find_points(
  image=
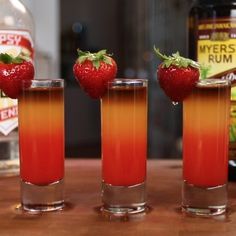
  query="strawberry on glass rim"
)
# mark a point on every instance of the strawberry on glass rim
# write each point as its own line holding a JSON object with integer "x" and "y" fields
{"x": 93, "y": 71}
{"x": 13, "y": 70}
{"x": 177, "y": 75}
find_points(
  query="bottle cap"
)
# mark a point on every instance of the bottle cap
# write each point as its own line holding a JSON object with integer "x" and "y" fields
{"x": 216, "y": 2}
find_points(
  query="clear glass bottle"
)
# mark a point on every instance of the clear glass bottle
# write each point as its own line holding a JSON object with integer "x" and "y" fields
{"x": 212, "y": 41}
{"x": 16, "y": 35}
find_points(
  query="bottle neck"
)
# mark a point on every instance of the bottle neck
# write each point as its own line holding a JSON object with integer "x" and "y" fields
{"x": 17, "y": 4}
{"x": 15, "y": 16}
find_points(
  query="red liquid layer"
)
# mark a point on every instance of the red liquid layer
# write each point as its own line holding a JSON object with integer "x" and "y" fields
{"x": 124, "y": 136}
{"x": 41, "y": 135}
{"x": 205, "y": 137}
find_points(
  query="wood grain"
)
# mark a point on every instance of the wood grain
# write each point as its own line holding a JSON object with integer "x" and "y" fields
{"x": 83, "y": 197}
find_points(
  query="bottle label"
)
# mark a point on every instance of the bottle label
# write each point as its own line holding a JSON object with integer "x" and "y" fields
{"x": 216, "y": 47}
{"x": 12, "y": 42}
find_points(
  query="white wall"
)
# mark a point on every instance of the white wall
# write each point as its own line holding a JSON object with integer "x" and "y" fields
{"x": 47, "y": 32}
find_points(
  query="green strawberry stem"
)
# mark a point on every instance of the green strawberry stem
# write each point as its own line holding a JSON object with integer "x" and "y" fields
{"x": 204, "y": 71}
{"x": 95, "y": 58}
{"x": 9, "y": 59}
{"x": 179, "y": 61}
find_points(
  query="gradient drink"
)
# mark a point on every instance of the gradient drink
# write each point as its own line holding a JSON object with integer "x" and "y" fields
{"x": 205, "y": 139}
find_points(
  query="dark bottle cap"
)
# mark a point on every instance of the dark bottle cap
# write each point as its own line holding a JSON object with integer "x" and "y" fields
{"x": 232, "y": 170}
{"x": 216, "y": 2}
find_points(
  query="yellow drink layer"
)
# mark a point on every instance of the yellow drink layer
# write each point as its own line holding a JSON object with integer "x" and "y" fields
{"x": 41, "y": 132}
{"x": 205, "y": 133}
{"x": 124, "y": 134}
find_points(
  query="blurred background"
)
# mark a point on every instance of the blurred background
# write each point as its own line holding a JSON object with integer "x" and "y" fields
{"x": 128, "y": 29}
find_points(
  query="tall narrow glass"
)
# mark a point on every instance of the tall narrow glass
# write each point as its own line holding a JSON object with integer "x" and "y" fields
{"x": 41, "y": 139}
{"x": 124, "y": 146}
{"x": 205, "y": 148}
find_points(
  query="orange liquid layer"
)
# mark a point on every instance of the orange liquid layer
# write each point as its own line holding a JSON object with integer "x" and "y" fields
{"x": 205, "y": 137}
{"x": 124, "y": 136}
{"x": 41, "y": 135}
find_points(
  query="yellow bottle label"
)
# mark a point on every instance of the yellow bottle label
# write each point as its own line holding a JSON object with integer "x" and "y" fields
{"x": 220, "y": 55}
{"x": 216, "y": 47}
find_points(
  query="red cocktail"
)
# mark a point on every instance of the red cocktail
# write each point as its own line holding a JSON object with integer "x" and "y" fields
{"x": 41, "y": 117}
{"x": 124, "y": 138}
{"x": 205, "y": 141}
{"x": 41, "y": 133}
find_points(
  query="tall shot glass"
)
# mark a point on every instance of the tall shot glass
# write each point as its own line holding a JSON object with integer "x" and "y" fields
{"x": 124, "y": 146}
{"x": 41, "y": 139}
{"x": 205, "y": 148}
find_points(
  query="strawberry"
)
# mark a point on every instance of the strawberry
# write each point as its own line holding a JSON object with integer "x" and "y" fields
{"x": 177, "y": 75}
{"x": 93, "y": 71}
{"x": 12, "y": 71}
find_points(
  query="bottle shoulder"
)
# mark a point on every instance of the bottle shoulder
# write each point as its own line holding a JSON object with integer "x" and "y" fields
{"x": 209, "y": 11}
{"x": 14, "y": 15}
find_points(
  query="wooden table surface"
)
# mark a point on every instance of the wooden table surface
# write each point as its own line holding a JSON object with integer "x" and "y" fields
{"x": 81, "y": 216}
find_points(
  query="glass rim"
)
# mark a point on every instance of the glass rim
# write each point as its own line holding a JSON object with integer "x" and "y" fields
{"x": 212, "y": 82}
{"x": 127, "y": 82}
{"x": 43, "y": 83}
{"x": 46, "y": 79}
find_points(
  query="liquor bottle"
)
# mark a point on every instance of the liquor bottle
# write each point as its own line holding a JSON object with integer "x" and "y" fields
{"x": 16, "y": 35}
{"x": 212, "y": 41}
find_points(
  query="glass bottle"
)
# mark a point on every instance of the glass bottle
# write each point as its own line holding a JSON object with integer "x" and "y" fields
{"x": 16, "y": 35}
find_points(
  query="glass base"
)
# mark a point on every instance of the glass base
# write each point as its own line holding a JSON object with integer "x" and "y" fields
{"x": 123, "y": 200}
{"x": 42, "y": 197}
{"x": 204, "y": 201}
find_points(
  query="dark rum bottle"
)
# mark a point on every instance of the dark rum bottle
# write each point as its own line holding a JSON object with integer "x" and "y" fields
{"x": 212, "y": 41}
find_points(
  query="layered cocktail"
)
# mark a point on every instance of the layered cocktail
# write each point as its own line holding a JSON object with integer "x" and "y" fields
{"x": 41, "y": 137}
{"x": 205, "y": 147}
{"x": 124, "y": 146}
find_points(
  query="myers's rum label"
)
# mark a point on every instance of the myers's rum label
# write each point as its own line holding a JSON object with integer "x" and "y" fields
{"x": 216, "y": 45}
